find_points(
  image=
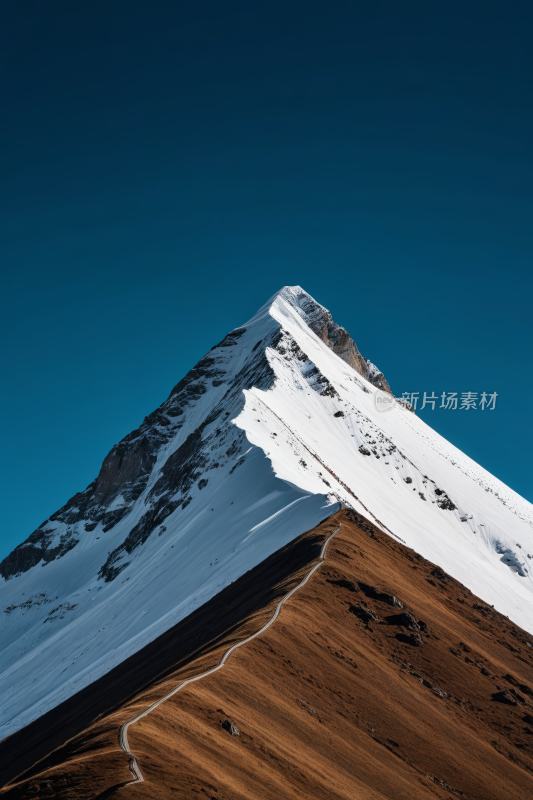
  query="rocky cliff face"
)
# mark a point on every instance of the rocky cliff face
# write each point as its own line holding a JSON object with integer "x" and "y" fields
{"x": 339, "y": 340}
{"x": 126, "y": 470}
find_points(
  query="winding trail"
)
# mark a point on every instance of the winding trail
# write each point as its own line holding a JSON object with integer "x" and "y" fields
{"x": 123, "y": 732}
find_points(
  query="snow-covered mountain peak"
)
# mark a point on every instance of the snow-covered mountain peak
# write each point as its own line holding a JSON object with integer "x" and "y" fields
{"x": 265, "y": 437}
{"x": 320, "y": 321}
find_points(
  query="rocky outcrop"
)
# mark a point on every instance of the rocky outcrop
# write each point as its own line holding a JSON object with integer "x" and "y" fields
{"x": 43, "y": 546}
{"x": 376, "y": 594}
{"x": 127, "y": 468}
{"x": 194, "y": 456}
{"x": 230, "y": 727}
{"x": 339, "y": 340}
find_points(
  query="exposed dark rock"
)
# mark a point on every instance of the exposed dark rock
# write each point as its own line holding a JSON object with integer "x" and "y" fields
{"x": 90, "y": 526}
{"x": 309, "y": 708}
{"x": 510, "y": 698}
{"x": 233, "y": 449}
{"x": 230, "y": 727}
{"x": 414, "y": 639}
{"x": 127, "y": 467}
{"x": 440, "y": 574}
{"x": 428, "y": 684}
{"x": 364, "y": 451}
{"x": 239, "y": 463}
{"x": 38, "y": 547}
{"x": 364, "y": 613}
{"x": 361, "y": 522}
{"x": 350, "y": 585}
{"x": 443, "y": 501}
{"x": 485, "y": 611}
{"x": 36, "y": 600}
{"x": 528, "y": 718}
{"x": 110, "y": 519}
{"x": 522, "y": 686}
{"x": 339, "y": 340}
{"x": 383, "y": 597}
{"x": 445, "y": 785}
{"x": 138, "y": 535}
{"x": 327, "y": 389}
{"x": 339, "y": 414}
{"x": 404, "y": 620}
{"x": 231, "y": 338}
{"x": 174, "y": 411}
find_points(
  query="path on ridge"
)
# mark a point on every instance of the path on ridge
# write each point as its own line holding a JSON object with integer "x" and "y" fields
{"x": 123, "y": 732}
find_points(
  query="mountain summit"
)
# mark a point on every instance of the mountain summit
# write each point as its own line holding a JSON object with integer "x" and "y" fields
{"x": 321, "y": 322}
{"x": 269, "y": 434}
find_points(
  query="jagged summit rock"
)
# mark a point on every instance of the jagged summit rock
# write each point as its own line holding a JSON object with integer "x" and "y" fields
{"x": 321, "y": 322}
{"x": 272, "y": 431}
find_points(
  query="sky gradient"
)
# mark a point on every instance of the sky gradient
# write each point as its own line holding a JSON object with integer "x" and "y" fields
{"x": 166, "y": 168}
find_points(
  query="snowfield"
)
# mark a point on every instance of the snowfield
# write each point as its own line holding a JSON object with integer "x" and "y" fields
{"x": 270, "y": 434}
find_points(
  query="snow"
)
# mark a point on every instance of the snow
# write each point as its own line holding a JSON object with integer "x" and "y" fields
{"x": 285, "y": 463}
{"x": 501, "y": 519}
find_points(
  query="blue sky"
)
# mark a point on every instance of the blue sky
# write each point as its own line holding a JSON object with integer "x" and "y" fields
{"x": 165, "y": 169}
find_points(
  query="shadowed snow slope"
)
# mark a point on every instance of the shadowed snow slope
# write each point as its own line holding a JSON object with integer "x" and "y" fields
{"x": 262, "y": 440}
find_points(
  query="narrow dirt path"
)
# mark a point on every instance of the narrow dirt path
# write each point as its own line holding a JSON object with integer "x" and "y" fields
{"x": 123, "y": 732}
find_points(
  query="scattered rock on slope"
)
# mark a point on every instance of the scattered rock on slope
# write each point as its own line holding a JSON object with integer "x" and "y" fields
{"x": 364, "y": 613}
{"x": 383, "y": 597}
{"x": 510, "y": 698}
{"x": 413, "y": 639}
{"x": 230, "y": 727}
{"x": 405, "y": 620}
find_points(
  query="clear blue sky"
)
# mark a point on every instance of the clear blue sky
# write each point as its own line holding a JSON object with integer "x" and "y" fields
{"x": 166, "y": 167}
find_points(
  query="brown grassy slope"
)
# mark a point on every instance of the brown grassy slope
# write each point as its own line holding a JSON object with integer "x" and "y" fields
{"x": 41, "y": 744}
{"x": 330, "y": 706}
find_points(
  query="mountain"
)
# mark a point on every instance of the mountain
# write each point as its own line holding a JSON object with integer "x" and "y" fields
{"x": 272, "y": 432}
{"x": 382, "y": 678}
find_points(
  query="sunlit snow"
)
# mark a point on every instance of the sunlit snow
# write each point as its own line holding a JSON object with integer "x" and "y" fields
{"x": 285, "y": 458}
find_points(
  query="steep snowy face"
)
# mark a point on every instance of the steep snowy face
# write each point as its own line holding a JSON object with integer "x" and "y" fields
{"x": 170, "y": 443}
{"x": 390, "y": 466}
{"x": 263, "y": 439}
{"x": 181, "y": 507}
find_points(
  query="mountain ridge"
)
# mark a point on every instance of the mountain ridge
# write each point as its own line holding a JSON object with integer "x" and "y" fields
{"x": 133, "y": 464}
{"x": 270, "y": 433}
{"x": 382, "y": 678}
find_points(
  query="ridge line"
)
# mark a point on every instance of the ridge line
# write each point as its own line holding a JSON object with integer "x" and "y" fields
{"x": 123, "y": 731}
